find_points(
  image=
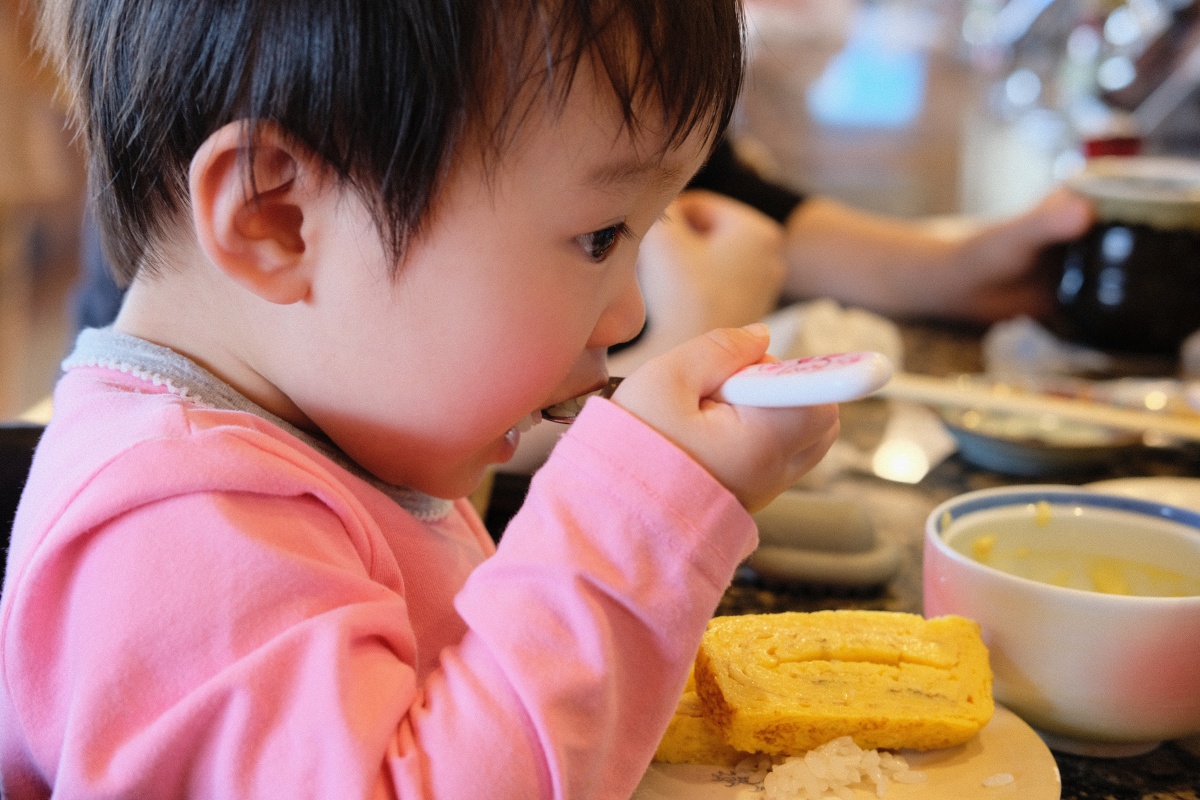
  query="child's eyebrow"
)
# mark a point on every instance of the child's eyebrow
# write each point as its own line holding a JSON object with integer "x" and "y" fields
{"x": 617, "y": 174}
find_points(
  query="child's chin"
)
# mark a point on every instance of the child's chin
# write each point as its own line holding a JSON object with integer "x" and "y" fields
{"x": 463, "y": 483}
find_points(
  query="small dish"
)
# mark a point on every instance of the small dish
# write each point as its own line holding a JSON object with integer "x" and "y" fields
{"x": 1028, "y": 446}
{"x": 1034, "y": 445}
{"x": 810, "y": 538}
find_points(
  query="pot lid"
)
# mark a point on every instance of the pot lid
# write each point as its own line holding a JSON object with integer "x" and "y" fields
{"x": 1160, "y": 191}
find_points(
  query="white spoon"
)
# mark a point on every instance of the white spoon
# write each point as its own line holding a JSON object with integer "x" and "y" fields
{"x": 809, "y": 381}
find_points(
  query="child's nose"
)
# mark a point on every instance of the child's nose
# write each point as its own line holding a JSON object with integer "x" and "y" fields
{"x": 622, "y": 320}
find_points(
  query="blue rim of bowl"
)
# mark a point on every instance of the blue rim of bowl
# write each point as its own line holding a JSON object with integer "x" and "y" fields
{"x": 1000, "y": 497}
{"x": 985, "y": 499}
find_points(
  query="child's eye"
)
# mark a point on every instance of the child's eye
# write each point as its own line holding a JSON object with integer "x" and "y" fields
{"x": 598, "y": 244}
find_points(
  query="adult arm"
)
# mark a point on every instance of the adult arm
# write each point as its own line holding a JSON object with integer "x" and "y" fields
{"x": 906, "y": 268}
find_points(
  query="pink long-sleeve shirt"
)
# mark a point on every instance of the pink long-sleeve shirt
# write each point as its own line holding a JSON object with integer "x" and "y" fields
{"x": 199, "y": 603}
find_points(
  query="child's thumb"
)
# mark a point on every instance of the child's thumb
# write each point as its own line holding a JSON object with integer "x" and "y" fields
{"x": 716, "y": 355}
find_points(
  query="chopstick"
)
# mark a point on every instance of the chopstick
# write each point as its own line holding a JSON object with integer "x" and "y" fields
{"x": 950, "y": 392}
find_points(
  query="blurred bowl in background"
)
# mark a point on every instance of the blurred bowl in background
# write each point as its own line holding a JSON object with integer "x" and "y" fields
{"x": 1028, "y": 446}
{"x": 1131, "y": 282}
{"x": 1089, "y": 604}
{"x": 1034, "y": 445}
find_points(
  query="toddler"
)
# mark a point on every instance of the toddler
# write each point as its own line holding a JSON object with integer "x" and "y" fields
{"x": 366, "y": 242}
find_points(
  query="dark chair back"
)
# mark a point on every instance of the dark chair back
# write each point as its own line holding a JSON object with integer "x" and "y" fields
{"x": 17, "y": 443}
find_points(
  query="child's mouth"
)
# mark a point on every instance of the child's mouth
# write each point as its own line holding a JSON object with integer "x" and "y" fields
{"x": 513, "y": 434}
{"x": 566, "y": 411}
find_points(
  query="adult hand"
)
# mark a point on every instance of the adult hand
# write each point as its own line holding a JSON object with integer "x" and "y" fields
{"x": 711, "y": 262}
{"x": 756, "y": 453}
{"x": 998, "y": 268}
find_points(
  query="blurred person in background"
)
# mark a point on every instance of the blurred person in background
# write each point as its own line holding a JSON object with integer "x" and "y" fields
{"x": 735, "y": 245}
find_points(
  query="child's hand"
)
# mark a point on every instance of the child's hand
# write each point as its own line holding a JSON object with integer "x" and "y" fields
{"x": 754, "y": 452}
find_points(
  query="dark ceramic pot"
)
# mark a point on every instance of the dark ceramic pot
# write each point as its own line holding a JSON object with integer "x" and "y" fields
{"x": 1132, "y": 282}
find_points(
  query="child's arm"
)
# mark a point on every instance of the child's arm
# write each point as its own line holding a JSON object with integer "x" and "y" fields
{"x": 609, "y": 574}
{"x": 227, "y": 621}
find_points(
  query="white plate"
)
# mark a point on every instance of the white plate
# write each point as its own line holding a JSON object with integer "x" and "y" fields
{"x": 1005, "y": 745}
{"x": 1182, "y": 492}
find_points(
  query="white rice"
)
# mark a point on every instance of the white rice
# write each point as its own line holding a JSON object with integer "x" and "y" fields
{"x": 832, "y": 770}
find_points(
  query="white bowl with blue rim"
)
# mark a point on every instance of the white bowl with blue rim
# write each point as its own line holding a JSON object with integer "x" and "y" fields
{"x": 1089, "y": 604}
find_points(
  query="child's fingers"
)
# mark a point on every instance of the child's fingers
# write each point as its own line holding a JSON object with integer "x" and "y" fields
{"x": 704, "y": 363}
{"x": 754, "y": 452}
{"x": 766, "y": 449}
{"x": 667, "y": 389}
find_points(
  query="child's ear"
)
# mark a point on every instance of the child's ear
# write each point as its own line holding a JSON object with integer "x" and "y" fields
{"x": 252, "y": 228}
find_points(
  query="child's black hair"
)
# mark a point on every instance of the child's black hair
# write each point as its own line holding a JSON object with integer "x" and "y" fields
{"x": 385, "y": 91}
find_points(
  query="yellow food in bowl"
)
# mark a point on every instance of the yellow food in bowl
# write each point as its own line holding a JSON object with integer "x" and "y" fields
{"x": 1060, "y": 548}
